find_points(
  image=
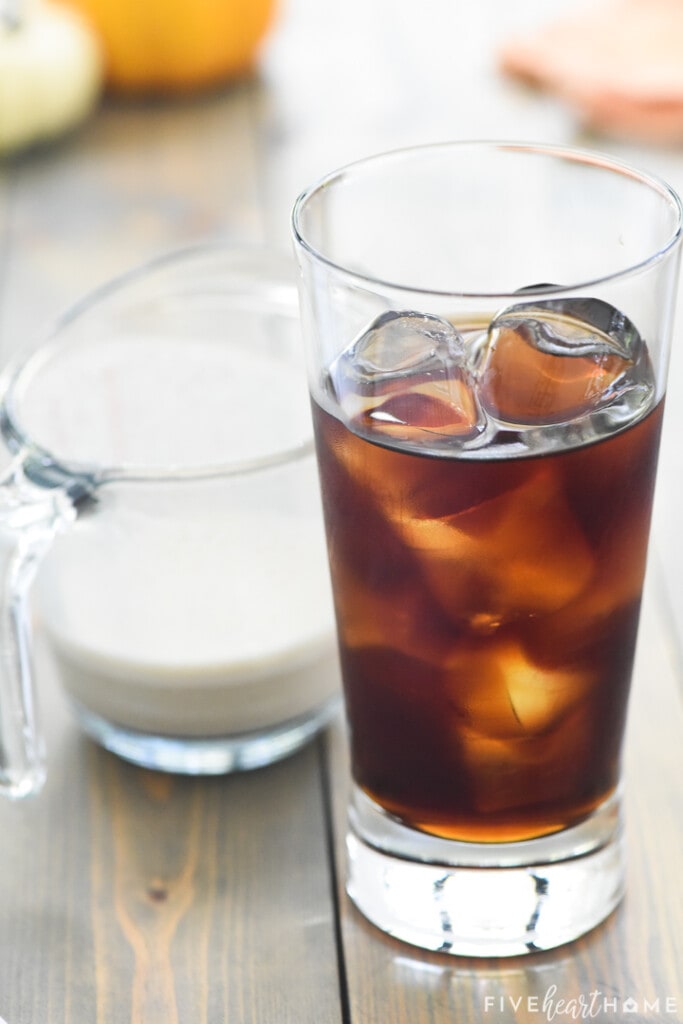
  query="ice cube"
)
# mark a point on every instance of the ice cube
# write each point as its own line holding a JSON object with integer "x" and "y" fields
{"x": 405, "y": 378}
{"x": 540, "y": 696}
{"x": 370, "y": 618}
{"x": 553, "y": 361}
{"x": 499, "y": 692}
{"x": 494, "y": 563}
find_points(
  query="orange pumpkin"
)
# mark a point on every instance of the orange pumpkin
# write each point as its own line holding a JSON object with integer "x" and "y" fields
{"x": 159, "y": 46}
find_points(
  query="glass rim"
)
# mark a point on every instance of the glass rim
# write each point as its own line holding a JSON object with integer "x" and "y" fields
{"x": 22, "y": 444}
{"x": 568, "y": 154}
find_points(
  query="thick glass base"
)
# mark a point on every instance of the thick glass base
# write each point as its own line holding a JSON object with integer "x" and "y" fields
{"x": 473, "y": 899}
{"x": 213, "y": 755}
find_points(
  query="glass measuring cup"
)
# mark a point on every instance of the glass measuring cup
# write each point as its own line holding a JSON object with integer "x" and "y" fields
{"x": 162, "y": 478}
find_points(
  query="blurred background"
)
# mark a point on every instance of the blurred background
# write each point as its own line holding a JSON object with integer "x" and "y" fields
{"x": 154, "y": 164}
{"x": 142, "y": 127}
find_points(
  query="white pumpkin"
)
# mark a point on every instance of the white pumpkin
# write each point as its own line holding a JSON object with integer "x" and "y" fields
{"x": 51, "y": 71}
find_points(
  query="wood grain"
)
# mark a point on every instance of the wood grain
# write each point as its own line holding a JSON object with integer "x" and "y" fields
{"x": 132, "y": 896}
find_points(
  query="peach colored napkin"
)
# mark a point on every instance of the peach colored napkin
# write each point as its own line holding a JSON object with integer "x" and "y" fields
{"x": 619, "y": 65}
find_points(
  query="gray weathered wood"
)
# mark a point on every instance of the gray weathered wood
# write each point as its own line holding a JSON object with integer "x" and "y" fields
{"x": 134, "y": 896}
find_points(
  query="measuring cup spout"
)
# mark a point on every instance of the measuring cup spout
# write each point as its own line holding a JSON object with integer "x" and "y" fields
{"x": 31, "y": 514}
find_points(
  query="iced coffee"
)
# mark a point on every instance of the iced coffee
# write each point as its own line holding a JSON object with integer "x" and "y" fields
{"x": 487, "y": 491}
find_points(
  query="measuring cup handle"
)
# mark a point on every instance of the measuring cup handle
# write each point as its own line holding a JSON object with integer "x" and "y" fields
{"x": 30, "y": 517}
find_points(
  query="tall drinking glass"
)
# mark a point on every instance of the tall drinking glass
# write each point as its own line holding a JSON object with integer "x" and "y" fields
{"x": 488, "y": 328}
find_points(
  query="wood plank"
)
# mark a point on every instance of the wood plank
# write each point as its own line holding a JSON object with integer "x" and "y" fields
{"x": 635, "y": 955}
{"x": 138, "y": 897}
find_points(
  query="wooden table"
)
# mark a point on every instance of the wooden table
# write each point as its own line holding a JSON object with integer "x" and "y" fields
{"x": 128, "y": 897}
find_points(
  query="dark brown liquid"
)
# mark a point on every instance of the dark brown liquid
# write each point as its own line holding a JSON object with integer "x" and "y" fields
{"x": 487, "y": 614}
